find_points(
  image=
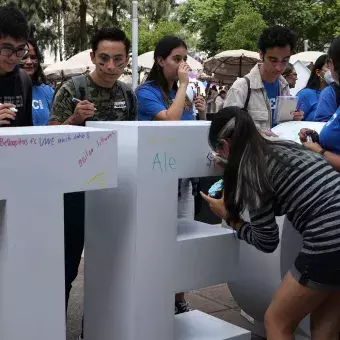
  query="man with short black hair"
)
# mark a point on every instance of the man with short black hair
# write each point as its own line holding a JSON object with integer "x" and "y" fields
{"x": 257, "y": 91}
{"x": 97, "y": 96}
{"x": 15, "y": 85}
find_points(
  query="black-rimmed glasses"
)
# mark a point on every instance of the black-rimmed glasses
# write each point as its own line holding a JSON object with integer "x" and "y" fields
{"x": 8, "y": 51}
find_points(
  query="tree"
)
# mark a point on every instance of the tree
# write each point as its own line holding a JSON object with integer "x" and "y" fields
{"x": 243, "y": 31}
{"x": 150, "y": 34}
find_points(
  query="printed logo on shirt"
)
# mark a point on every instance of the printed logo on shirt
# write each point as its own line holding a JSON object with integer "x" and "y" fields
{"x": 15, "y": 100}
{"x": 332, "y": 119}
{"x": 120, "y": 105}
{"x": 272, "y": 103}
{"x": 37, "y": 104}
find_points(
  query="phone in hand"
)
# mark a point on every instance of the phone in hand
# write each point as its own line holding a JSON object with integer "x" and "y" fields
{"x": 216, "y": 190}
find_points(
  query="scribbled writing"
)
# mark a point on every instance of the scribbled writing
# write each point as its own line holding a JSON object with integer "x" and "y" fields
{"x": 13, "y": 142}
{"x": 211, "y": 160}
{"x": 103, "y": 140}
{"x": 86, "y": 155}
{"x": 42, "y": 141}
{"x": 97, "y": 178}
{"x": 163, "y": 162}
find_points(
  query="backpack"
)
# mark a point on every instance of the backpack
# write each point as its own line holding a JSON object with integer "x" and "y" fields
{"x": 248, "y": 93}
{"x": 81, "y": 89}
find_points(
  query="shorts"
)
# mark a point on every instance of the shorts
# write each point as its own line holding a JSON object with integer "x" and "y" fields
{"x": 320, "y": 272}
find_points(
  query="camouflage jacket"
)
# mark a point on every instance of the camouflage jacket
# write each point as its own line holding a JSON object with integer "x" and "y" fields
{"x": 109, "y": 102}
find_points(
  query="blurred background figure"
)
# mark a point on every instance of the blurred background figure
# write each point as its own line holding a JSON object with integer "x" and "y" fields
{"x": 220, "y": 100}
{"x": 42, "y": 93}
{"x": 308, "y": 97}
{"x": 290, "y": 75}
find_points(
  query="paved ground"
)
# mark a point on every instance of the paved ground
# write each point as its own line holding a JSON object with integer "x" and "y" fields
{"x": 216, "y": 301}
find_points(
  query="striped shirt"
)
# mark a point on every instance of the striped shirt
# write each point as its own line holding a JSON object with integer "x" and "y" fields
{"x": 306, "y": 189}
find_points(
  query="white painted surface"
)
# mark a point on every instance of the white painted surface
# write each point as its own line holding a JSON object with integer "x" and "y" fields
{"x": 39, "y": 165}
{"x": 196, "y": 325}
{"x": 290, "y": 130}
{"x": 133, "y": 259}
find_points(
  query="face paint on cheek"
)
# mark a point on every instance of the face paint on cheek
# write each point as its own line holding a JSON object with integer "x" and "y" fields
{"x": 121, "y": 66}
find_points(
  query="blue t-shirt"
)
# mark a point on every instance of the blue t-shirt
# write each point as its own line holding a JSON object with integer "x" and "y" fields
{"x": 307, "y": 102}
{"x": 330, "y": 134}
{"x": 273, "y": 90}
{"x": 42, "y": 97}
{"x": 151, "y": 102}
{"x": 326, "y": 105}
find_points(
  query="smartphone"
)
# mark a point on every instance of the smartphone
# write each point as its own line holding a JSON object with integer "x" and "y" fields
{"x": 216, "y": 189}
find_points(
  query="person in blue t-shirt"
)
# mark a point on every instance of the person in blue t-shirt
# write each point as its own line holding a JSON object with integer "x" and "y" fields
{"x": 42, "y": 94}
{"x": 328, "y": 142}
{"x": 308, "y": 97}
{"x": 160, "y": 98}
{"x": 272, "y": 90}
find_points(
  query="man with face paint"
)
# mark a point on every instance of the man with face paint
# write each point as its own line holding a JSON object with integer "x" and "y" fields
{"x": 107, "y": 99}
{"x": 276, "y": 44}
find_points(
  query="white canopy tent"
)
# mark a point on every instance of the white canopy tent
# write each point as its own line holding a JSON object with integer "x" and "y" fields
{"x": 306, "y": 57}
{"x": 146, "y": 61}
{"x": 78, "y": 64}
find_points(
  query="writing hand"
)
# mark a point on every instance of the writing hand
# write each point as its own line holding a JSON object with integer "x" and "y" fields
{"x": 6, "y": 114}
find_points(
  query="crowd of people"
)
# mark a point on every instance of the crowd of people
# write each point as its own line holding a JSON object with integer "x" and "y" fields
{"x": 263, "y": 174}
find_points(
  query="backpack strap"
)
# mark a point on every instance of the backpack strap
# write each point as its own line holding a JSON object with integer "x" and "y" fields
{"x": 128, "y": 97}
{"x": 248, "y": 93}
{"x": 336, "y": 88}
{"x": 80, "y": 86}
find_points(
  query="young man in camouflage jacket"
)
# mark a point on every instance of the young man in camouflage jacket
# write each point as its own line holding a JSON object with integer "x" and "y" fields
{"x": 97, "y": 96}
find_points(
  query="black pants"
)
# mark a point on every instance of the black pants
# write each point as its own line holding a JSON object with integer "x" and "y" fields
{"x": 74, "y": 229}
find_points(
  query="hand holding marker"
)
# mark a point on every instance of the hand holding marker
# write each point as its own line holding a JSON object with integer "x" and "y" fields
{"x": 76, "y": 101}
{"x": 12, "y": 109}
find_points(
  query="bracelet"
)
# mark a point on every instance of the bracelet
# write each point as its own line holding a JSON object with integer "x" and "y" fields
{"x": 322, "y": 152}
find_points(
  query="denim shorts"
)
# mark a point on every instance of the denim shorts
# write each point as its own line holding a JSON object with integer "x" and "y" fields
{"x": 320, "y": 271}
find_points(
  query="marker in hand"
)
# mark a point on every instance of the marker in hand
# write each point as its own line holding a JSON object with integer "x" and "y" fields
{"x": 13, "y": 109}
{"x": 76, "y": 101}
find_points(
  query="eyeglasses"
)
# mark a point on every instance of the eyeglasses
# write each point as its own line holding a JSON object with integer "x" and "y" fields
{"x": 293, "y": 75}
{"x": 7, "y": 51}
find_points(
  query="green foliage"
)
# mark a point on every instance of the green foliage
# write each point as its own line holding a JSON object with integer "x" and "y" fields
{"x": 243, "y": 31}
{"x": 149, "y": 34}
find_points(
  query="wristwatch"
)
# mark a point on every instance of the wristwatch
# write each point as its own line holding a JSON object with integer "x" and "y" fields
{"x": 322, "y": 152}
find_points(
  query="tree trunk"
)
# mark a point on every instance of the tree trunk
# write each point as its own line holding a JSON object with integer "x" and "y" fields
{"x": 83, "y": 33}
{"x": 60, "y": 37}
{"x": 114, "y": 12}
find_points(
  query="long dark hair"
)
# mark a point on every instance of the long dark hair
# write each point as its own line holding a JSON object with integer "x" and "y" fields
{"x": 246, "y": 179}
{"x": 163, "y": 49}
{"x": 38, "y": 77}
{"x": 314, "y": 81}
{"x": 334, "y": 55}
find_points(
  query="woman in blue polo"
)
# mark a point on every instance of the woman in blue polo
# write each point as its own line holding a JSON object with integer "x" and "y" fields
{"x": 161, "y": 98}
{"x": 329, "y": 139}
